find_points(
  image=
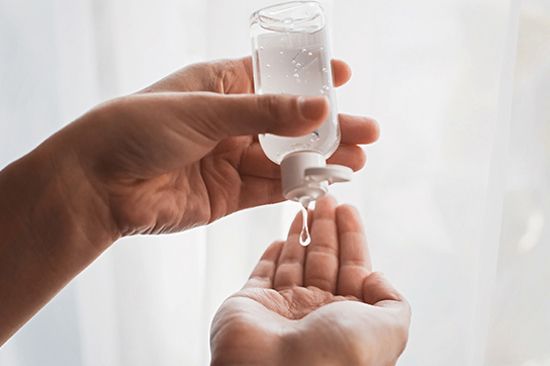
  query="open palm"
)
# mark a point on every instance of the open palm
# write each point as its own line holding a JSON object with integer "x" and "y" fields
{"x": 319, "y": 305}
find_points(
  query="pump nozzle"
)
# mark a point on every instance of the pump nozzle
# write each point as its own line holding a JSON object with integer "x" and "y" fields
{"x": 331, "y": 173}
{"x": 305, "y": 175}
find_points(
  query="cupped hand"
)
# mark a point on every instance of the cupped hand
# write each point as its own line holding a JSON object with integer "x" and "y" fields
{"x": 184, "y": 151}
{"x": 320, "y": 305}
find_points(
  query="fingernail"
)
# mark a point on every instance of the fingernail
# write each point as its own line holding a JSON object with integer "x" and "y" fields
{"x": 312, "y": 107}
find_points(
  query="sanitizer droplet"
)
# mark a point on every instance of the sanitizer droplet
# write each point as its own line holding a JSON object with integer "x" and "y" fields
{"x": 268, "y": 65}
{"x": 261, "y": 48}
{"x": 298, "y": 64}
{"x": 304, "y": 50}
{"x": 281, "y": 52}
{"x": 293, "y": 62}
{"x": 305, "y": 238}
{"x": 325, "y": 69}
{"x": 296, "y": 76}
{"x": 310, "y": 54}
{"x": 326, "y": 88}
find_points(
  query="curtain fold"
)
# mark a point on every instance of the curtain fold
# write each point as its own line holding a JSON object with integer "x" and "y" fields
{"x": 519, "y": 327}
{"x": 455, "y": 196}
{"x": 489, "y": 239}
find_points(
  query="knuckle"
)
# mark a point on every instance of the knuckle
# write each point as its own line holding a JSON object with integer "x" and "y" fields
{"x": 347, "y": 208}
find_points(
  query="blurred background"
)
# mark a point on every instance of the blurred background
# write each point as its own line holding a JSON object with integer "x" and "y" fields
{"x": 455, "y": 196}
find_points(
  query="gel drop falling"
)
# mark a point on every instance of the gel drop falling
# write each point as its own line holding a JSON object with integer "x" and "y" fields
{"x": 305, "y": 238}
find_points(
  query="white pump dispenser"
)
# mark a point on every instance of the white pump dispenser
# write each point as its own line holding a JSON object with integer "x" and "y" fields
{"x": 290, "y": 55}
{"x": 305, "y": 176}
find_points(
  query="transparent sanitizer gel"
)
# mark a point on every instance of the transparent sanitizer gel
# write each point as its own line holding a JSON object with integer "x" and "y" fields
{"x": 290, "y": 56}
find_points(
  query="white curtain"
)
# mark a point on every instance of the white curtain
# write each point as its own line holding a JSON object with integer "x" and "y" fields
{"x": 455, "y": 196}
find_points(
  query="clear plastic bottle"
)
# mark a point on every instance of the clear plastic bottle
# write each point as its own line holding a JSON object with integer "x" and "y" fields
{"x": 291, "y": 56}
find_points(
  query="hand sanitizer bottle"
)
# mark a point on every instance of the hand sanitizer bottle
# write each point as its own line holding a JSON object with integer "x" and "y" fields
{"x": 290, "y": 56}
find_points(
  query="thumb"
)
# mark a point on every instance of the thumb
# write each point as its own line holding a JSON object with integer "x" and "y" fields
{"x": 394, "y": 316}
{"x": 219, "y": 116}
{"x": 378, "y": 291}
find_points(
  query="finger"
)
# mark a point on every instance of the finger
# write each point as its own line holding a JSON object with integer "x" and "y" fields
{"x": 321, "y": 264}
{"x": 358, "y": 130}
{"x": 290, "y": 267}
{"x": 220, "y": 76}
{"x": 355, "y": 262}
{"x": 341, "y": 72}
{"x": 349, "y": 155}
{"x": 354, "y": 130}
{"x": 217, "y": 116}
{"x": 226, "y": 77}
{"x": 262, "y": 275}
{"x": 236, "y": 76}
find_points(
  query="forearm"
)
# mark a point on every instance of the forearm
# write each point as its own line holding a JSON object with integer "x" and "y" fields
{"x": 50, "y": 230}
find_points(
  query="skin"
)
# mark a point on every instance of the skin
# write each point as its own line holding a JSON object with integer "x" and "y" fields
{"x": 320, "y": 305}
{"x": 178, "y": 154}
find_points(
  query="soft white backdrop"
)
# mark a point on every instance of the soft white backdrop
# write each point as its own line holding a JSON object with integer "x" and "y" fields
{"x": 455, "y": 196}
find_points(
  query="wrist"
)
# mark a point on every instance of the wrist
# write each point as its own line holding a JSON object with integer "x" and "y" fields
{"x": 59, "y": 185}
{"x": 51, "y": 229}
{"x": 237, "y": 347}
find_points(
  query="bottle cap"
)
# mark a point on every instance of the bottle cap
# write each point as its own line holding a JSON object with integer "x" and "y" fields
{"x": 305, "y": 176}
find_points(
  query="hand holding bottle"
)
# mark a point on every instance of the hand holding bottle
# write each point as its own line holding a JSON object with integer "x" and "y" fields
{"x": 165, "y": 161}
{"x": 320, "y": 305}
{"x": 181, "y": 153}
